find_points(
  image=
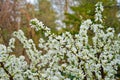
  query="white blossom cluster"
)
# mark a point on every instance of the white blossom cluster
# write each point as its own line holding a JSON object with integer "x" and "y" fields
{"x": 99, "y": 9}
{"x": 65, "y": 56}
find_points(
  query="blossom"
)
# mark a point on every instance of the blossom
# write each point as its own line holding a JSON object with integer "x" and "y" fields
{"x": 99, "y": 9}
{"x": 65, "y": 56}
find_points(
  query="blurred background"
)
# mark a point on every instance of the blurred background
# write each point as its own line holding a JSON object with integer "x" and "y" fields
{"x": 59, "y": 15}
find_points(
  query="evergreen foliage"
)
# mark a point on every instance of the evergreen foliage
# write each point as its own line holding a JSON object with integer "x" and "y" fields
{"x": 85, "y": 10}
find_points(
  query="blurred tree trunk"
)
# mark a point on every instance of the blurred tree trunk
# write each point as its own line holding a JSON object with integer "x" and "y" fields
{"x": 66, "y": 6}
{"x": 9, "y": 18}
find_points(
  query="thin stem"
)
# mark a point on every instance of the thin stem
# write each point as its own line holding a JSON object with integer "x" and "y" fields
{"x": 10, "y": 76}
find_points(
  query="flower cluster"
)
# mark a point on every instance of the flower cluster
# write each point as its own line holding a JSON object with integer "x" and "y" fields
{"x": 99, "y": 9}
{"x": 65, "y": 56}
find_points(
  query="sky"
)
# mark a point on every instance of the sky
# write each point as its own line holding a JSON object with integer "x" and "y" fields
{"x": 118, "y": 1}
{"x": 32, "y": 1}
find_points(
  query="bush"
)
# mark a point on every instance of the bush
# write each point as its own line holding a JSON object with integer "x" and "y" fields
{"x": 65, "y": 56}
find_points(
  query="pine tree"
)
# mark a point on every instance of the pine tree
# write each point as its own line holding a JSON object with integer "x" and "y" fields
{"x": 85, "y": 10}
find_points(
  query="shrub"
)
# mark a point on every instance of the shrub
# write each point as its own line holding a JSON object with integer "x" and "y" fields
{"x": 65, "y": 56}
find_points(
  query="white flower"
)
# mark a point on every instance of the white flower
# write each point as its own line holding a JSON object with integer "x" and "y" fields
{"x": 65, "y": 56}
{"x": 3, "y": 49}
{"x": 99, "y": 10}
{"x": 119, "y": 35}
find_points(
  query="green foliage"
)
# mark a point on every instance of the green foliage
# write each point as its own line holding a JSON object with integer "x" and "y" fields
{"x": 46, "y": 14}
{"x": 86, "y": 9}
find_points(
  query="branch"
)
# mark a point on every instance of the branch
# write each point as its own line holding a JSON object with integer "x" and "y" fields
{"x": 10, "y": 76}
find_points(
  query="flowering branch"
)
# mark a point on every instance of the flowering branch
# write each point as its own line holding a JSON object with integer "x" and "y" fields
{"x": 10, "y": 76}
{"x": 65, "y": 56}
